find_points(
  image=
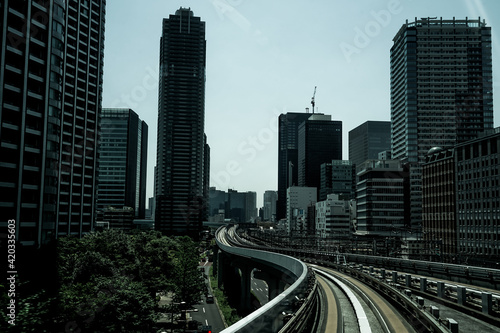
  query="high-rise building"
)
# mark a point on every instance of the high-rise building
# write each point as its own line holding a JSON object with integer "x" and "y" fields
{"x": 51, "y": 65}
{"x": 338, "y": 177}
{"x": 270, "y": 199}
{"x": 369, "y": 139}
{"x": 441, "y": 91}
{"x": 382, "y": 198}
{"x": 320, "y": 141}
{"x": 288, "y": 149}
{"x": 182, "y": 154}
{"x": 123, "y": 145}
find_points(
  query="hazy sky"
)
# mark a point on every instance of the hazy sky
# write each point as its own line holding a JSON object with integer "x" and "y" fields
{"x": 264, "y": 58}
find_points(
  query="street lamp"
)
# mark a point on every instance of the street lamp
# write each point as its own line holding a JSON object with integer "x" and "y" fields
{"x": 172, "y": 315}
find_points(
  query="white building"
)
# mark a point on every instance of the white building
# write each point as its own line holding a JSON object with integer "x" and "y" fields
{"x": 298, "y": 199}
{"x": 332, "y": 217}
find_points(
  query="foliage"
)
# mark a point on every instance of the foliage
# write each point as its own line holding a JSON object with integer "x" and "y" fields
{"x": 32, "y": 312}
{"x": 189, "y": 282}
{"x": 111, "y": 278}
{"x": 107, "y": 281}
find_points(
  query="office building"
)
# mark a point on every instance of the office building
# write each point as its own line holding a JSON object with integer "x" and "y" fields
{"x": 382, "y": 198}
{"x": 319, "y": 141}
{"x": 182, "y": 154}
{"x": 298, "y": 200}
{"x": 123, "y": 146}
{"x": 241, "y": 206}
{"x": 338, "y": 177}
{"x": 269, "y": 209}
{"x": 478, "y": 198}
{"x": 333, "y": 218}
{"x": 369, "y": 139}
{"x": 441, "y": 91}
{"x": 51, "y": 65}
{"x": 439, "y": 224}
{"x": 288, "y": 147}
{"x": 217, "y": 201}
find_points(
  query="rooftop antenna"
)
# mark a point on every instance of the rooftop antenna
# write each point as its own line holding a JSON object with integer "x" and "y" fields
{"x": 312, "y": 100}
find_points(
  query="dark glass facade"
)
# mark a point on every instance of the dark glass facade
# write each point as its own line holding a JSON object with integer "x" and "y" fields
{"x": 122, "y": 161}
{"x": 288, "y": 146}
{"x": 51, "y": 65}
{"x": 369, "y": 139}
{"x": 182, "y": 154}
{"x": 320, "y": 141}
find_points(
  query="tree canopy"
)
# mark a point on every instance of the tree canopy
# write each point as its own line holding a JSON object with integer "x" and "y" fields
{"x": 109, "y": 282}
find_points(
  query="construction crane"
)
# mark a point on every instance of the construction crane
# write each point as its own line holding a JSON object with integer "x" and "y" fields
{"x": 312, "y": 99}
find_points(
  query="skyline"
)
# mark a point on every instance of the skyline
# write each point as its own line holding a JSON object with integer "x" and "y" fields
{"x": 261, "y": 63}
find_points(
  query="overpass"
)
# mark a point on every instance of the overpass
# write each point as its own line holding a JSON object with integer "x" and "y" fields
{"x": 291, "y": 283}
{"x": 404, "y": 282}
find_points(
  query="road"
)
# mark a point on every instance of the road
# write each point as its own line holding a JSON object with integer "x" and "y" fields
{"x": 260, "y": 290}
{"x": 208, "y": 313}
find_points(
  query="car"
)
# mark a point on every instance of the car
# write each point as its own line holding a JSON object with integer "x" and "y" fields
{"x": 210, "y": 299}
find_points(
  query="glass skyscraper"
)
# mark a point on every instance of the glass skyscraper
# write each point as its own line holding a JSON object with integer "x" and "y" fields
{"x": 51, "y": 65}
{"x": 182, "y": 152}
{"x": 123, "y": 147}
{"x": 319, "y": 141}
{"x": 288, "y": 148}
{"x": 441, "y": 90}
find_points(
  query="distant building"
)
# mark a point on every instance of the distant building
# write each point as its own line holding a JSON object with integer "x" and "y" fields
{"x": 298, "y": 201}
{"x": 182, "y": 151}
{"x": 217, "y": 201}
{"x": 333, "y": 217}
{"x": 320, "y": 141}
{"x": 288, "y": 148}
{"x": 269, "y": 209}
{"x": 150, "y": 211}
{"x": 381, "y": 198}
{"x": 369, "y": 139}
{"x": 338, "y": 177}
{"x": 239, "y": 207}
{"x": 385, "y": 155}
{"x": 121, "y": 218}
{"x": 123, "y": 146}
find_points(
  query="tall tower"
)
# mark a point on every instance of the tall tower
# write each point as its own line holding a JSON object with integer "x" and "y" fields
{"x": 320, "y": 141}
{"x": 51, "y": 66}
{"x": 123, "y": 147}
{"x": 441, "y": 91}
{"x": 182, "y": 155}
{"x": 288, "y": 148}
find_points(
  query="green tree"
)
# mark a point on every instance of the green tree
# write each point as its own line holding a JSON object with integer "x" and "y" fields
{"x": 188, "y": 280}
{"x": 155, "y": 254}
{"x": 106, "y": 304}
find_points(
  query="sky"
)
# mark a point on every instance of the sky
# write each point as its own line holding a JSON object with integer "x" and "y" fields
{"x": 265, "y": 58}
